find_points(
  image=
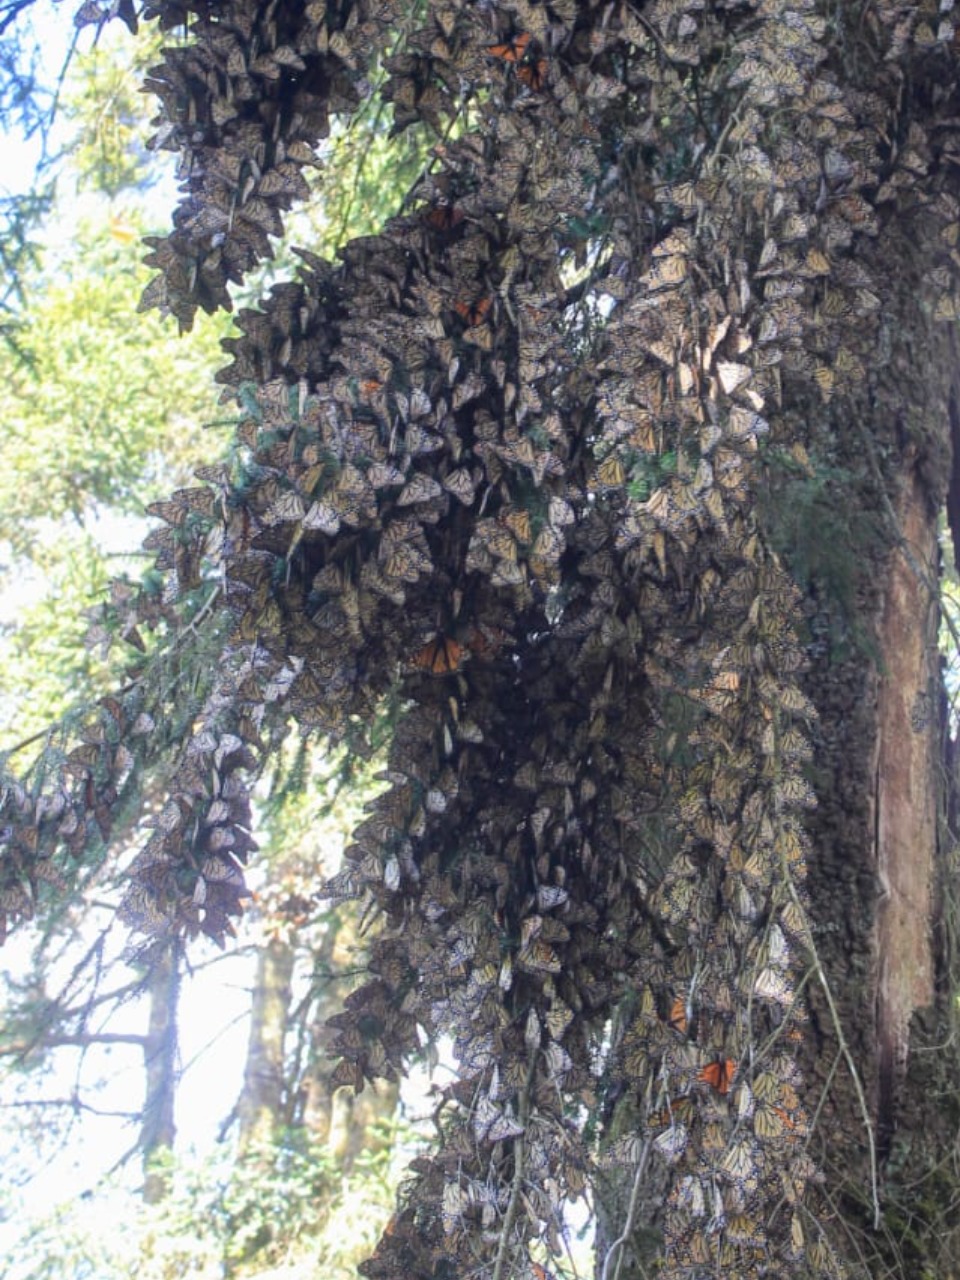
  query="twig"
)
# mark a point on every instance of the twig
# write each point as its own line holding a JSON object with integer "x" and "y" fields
{"x": 848, "y": 1058}
{"x": 72, "y": 1104}
{"x": 61, "y": 724}
{"x": 519, "y": 1160}
{"x": 624, "y": 1236}
{"x": 835, "y": 1017}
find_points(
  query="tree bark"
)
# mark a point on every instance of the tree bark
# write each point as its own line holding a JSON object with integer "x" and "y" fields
{"x": 878, "y": 990}
{"x": 158, "y": 1129}
{"x": 261, "y": 1106}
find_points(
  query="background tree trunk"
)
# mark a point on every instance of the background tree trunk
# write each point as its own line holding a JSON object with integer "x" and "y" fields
{"x": 158, "y": 1129}
{"x": 261, "y": 1105}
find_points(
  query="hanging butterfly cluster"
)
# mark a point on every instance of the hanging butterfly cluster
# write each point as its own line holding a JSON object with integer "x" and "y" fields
{"x": 245, "y": 103}
{"x": 504, "y": 454}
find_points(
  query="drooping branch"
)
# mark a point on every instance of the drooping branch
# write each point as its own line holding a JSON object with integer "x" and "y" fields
{"x": 503, "y": 465}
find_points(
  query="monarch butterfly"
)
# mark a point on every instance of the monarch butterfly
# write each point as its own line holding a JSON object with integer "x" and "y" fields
{"x": 742, "y": 1228}
{"x": 491, "y": 1123}
{"x": 174, "y": 513}
{"x": 475, "y": 1055}
{"x": 688, "y": 1194}
{"x": 420, "y": 488}
{"x": 677, "y": 1019}
{"x": 15, "y": 897}
{"x": 611, "y": 472}
{"x": 451, "y": 1211}
{"x": 539, "y": 957}
{"x": 672, "y": 1143}
{"x": 666, "y": 273}
{"x": 549, "y": 545}
{"x": 443, "y": 217}
{"x": 533, "y": 74}
{"x": 511, "y": 50}
{"x": 466, "y": 390}
{"x": 771, "y": 1121}
{"x": 382, "y": 475}
{"x": 558, "y": 1018}
{"x": 740, "y": 1163}
{"x": 690, "y": 1248}
{"x": 474, "y": 313}
{"x": 348, "y": 1073}
{"x": 461, "y": 484}
{"x": 550, "y": 896}
{"x": 287, "y": 507}
{"x": 718, "y": 1074}
{"x": 404, "y": 562}
{"x": 440, "y": 656}
{"x": 677, "y": 1111}
{"x": 495, "y": 539}
{"x": 517, "y": 520}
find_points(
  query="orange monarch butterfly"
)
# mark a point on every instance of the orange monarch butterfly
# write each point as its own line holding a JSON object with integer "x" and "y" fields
{"x": 513, "y": 49}
{"x": 440, "y": 656}
{"x": 533, "y": 74}
{"x": 443, "y": 217}
{"x": 677, "y": 1020}
{"x": 474, "y": 313}
{"x": 678, "y": 1110}
{"x": 771, "y": 1121}
{"x": 540, "y": 1273}
{"x": 719, "y": 1074}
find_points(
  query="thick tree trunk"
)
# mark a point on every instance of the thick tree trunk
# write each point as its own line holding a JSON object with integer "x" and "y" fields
{"x": 158, "y": 1129}
{"x": 881, "y": 1055}
{"x": 904, "y": 801}
{"x": 878, "y": 990}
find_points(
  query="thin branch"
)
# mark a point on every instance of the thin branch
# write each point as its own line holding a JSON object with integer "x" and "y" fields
{"x": 848, "y": 1058}
{"x": 80, "y": 1039}
{"x": 73, "y": 1104}
{"x": 519, "y": 1160}
{"x": 616, "y": 1248}
{"x": 10, "y": 12}
{"x": 161, "y": 654}
{"x": 213, "y": 1040}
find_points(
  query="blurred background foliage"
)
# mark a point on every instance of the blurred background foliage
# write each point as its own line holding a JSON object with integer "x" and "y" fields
{"x": 106, "y": 410}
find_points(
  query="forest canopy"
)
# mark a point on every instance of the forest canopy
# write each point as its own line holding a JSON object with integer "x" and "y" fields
{"x": 605, "y": 474}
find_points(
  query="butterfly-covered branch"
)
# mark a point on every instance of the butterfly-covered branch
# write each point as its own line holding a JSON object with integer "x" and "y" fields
{"x": 502, "y": 461}
{"x": 245, "y": 103}
{"x": 85, "y": 784}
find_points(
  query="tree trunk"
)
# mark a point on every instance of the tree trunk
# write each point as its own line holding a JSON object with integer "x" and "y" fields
{"x": 879, "y": 990}
{"x": 261, "y": 1106}
{"x": 334, "y": 1118}
{"x": 881, "y": 1057}
{"x": 158, "y": 1129}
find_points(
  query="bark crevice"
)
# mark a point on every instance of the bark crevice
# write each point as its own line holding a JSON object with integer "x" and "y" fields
{"x": 906, "y": 799}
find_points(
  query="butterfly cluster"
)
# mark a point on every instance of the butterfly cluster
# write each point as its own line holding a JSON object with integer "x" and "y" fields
{"x": 502, "y": 460}
{"x": 245, "y": 104}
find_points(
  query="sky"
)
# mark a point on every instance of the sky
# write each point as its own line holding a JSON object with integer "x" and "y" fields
{"x": 48, "y": 29}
